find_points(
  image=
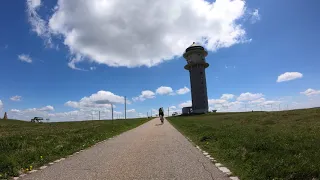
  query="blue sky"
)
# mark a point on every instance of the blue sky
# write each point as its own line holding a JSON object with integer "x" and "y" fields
{"x": 129, "y": 53}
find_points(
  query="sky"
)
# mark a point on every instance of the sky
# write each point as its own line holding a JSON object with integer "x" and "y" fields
{"x": 68, "y": 59}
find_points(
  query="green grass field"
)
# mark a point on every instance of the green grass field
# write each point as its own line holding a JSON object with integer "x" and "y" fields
{"x": 259, "y": 145}
{"x": 25, "y": 144}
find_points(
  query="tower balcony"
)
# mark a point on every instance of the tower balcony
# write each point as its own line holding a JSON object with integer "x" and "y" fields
{"x": 191, "y": 64}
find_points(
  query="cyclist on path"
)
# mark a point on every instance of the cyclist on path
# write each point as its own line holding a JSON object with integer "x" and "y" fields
{"x": 161, "y": 114}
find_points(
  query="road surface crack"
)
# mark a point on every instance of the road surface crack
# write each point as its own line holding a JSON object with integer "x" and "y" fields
{"x": 204, "y": 167}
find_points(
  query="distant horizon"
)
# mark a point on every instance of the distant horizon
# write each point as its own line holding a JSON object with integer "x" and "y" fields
{"x": 45, "y": 121}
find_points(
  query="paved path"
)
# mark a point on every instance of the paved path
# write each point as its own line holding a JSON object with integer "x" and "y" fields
{"x": 150, "y": 151}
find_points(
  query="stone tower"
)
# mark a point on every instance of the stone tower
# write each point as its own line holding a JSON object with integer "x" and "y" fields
{"x": 5, "y": 117}
{"x": 195, "y": 57}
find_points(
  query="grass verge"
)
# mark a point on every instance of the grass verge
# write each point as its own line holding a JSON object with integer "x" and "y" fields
{"x": 25, "y": 145}
{"x": 259, "y": 145}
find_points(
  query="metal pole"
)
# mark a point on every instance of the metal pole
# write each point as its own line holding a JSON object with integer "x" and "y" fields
{"x": 147, "y": 114}
{"x": 112, "y": 115}
{"x": 125, "y": 107}
{"x": 92, "y": 115}
{"x": 99, "y": 115}
{"x": 168, "y": 111}
{"x": 112, "y": 112}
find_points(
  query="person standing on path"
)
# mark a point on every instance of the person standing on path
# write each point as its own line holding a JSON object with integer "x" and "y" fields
{"x": 161, "y": 114}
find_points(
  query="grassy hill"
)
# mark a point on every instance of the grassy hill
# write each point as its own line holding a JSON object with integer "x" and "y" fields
{"x": 25, "y": 144}
{"x": 259, "y": 145}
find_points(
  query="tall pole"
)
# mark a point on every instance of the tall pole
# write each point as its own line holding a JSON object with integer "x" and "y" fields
{"x": 168, "y": 111}
{"x": 147, "y": 114}
{"x": 99, "y": 115}
{"x": 112, "y": 112}
{"x": 112, "y": 115}
{"x": 125, "y": 107}
{"x": 92, "y": 115}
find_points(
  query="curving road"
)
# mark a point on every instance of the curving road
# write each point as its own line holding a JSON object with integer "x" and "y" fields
{"x": 150, "y": 151}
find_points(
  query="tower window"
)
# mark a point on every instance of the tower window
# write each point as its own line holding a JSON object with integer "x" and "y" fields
{"x": 201, "y": 72}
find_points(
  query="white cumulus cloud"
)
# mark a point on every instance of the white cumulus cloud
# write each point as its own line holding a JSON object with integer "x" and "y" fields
{"x": 29, "y": 113}
{"x": 38, "y": 25}
{"x": 216, "y": 101}
{"x": 183, "y": 90}
{"x": 46, "y": 108}
{"x": 310, "y": 92}
{"x": 227, "y": 96}
{"x": 288, "y": 76}
{"x": 101, "y": 99}
{"x": 143, "y": 33}
{"x": 186, "y": 104}
{"x": 147, "y": 94}
{"x": 131, "y": 111}
{"x": 1, "y": 104}
{"x": 164, "y": 90}
{"x": 270, "y": 102}
{"x": 15, "y": 98}
{"x": 255, "y": 16}
{"x": 15, "y": 110}
{"x": 257, "y": 101}
{"x": 42, "y": 109}
{"x": 141, "y": 115}
{"x": 25, "y": 58}
{"x": 249, "y": 96}
{"x": 34, "y": 3}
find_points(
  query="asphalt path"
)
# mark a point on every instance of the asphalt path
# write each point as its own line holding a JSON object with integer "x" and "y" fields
{"x": 150, "y": 151}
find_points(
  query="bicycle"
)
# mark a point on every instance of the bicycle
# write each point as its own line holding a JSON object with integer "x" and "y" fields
{"x": 161, "y": 118}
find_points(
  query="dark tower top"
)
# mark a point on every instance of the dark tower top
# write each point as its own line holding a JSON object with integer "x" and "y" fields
{"x": 194, "y": 46}
{"x": 195, "y": 54}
